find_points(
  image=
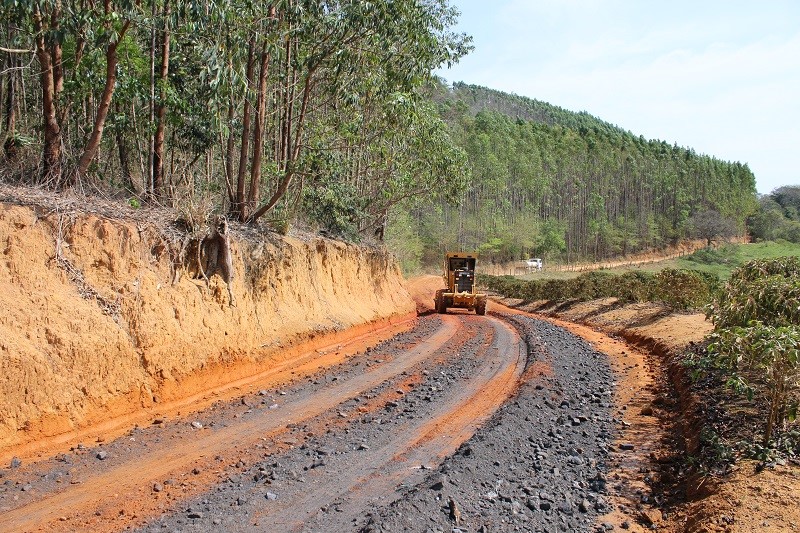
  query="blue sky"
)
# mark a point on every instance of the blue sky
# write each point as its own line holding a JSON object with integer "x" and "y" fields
{"x": 722, "y": 77}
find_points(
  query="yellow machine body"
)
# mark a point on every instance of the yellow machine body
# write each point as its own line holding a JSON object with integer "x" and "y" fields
{"x": 459, "y": 278}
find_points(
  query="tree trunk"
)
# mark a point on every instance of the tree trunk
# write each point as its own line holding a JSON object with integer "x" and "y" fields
{"x": 10, "y": 124}
{"x": 51, "y": 151}
{"x": 124, "y": 156}
{"x": 239, "y": 208}
{"x": 229, "y": 148}
{"x": 161, "y": 110}
{"x": 10, "y": 146}
{"x": 289, "y": 172}
{"x": 288, "y": 102}
{"x": 90, "y": 150}
{"x": 149, "y": 187}
{"x": 10, "y": 108}
{"x": 258, "y": 132}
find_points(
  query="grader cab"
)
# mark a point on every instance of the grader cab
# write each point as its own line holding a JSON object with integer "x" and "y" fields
{"x": 459, "y": 276}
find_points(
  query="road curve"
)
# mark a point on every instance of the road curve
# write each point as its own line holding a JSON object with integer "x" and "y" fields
{"x": 453, "y": 371}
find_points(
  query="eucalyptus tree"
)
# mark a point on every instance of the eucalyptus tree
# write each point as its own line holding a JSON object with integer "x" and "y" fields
{"x": 70, "y": 38}
{"x": 287, "y": 73}
{"x": 272, "y": 94}
{"x": 10, "y": 85}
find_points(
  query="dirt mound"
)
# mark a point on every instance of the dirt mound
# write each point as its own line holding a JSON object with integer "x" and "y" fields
{"x": 99, "y": 320}
{"x": 422, "y": 290}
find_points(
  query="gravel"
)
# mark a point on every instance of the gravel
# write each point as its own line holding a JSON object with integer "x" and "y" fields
{"x": 538, "y": 465}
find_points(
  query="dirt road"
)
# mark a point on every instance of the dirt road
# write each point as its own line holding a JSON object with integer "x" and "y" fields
{"x": 382, "y": 414}
{"x": 494, "y": 423}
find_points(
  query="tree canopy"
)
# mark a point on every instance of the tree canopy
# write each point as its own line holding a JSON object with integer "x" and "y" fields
{"x": 250, "y": 102}
{"x": 549, "y": 182}
{"x": 778, "y": 216}
{"x": 328, "y": 110}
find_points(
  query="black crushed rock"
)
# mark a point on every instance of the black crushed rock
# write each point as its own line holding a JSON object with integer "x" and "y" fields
{"x": 241, "y": 501}
{"x": 538, "y": 465}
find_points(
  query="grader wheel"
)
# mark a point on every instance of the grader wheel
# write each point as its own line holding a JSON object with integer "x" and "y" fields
{"x": 439, "y": 302}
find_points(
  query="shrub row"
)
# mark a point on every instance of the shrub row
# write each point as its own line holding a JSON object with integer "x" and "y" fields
{"x": 681, "y": 289}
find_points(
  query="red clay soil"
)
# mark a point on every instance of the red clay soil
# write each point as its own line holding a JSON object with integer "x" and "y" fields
{"x": 303, "y": 359}
{"x": 104, "y": 318}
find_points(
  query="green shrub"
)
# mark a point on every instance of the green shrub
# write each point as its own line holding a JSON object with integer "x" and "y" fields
{"x": 590, "y": 286}
{"x": 682, "y": 289}
{"x": 763, "y": 290}
{"x": 634, "y": 287}
{"x": 756, "y": 341}
{"x": 335, "y": 206}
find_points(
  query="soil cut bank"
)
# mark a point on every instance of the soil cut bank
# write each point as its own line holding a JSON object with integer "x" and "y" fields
{"x": 103, "y": 318}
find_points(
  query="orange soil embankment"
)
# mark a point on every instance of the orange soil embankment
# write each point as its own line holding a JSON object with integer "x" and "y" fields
{"x": 95, "y": 326}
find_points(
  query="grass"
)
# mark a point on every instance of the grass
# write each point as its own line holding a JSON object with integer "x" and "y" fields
{"x": 720, "y": 261}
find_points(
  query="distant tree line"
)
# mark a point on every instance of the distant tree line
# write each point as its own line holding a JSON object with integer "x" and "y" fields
{"x": 550, "y": 182}
{"x": 266, "y": 109}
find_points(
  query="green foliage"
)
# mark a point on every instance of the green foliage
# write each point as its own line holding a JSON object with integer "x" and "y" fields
{"x": 778, "y": 216}
{"x": 259, "y": 101}
{"x": 634, "y": 287}
{"x": 547, "y": 182}
{"x": 680, "y": 289}
{"x": 684, "y": 289}
{"x": 551, "y": 240}
{"x": 715, "y": 446}
{"x": 756, "y": 341}
{"x": 18, "y": 140}
{"x": 403, "y": 239}
{"x": 335, "y": 206}
{"x": 788, "y": 197}
{"x": 765, "y": 291}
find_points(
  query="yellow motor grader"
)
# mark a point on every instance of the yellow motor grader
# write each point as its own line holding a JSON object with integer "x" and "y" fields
{"x": 459, "y": 275}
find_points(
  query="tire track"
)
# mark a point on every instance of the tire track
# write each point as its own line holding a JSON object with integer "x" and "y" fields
{"x": 162, "y": 461}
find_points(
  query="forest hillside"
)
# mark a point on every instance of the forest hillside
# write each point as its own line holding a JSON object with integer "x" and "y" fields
{"x": 553, "y": 183}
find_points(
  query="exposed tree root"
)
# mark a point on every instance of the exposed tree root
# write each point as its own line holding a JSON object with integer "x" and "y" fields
{"x": 203, "y": 256}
